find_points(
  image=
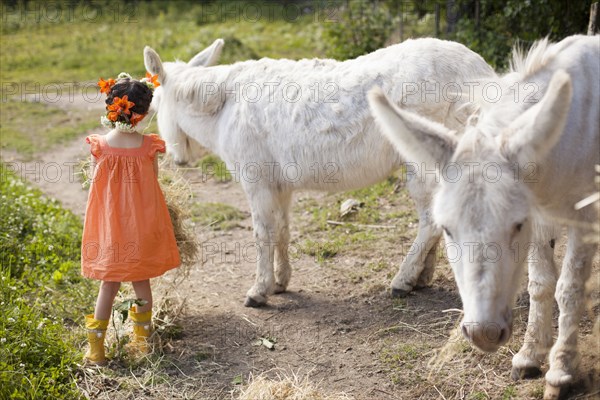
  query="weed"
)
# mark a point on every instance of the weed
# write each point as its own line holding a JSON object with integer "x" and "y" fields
{"x": 212, "y": 167}
{"x": 509, "y": 393}
{"x": 217, "y": 216}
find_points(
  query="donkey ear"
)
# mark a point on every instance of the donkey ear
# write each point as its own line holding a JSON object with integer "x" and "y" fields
{"x": 153, "y": 63}
{"x": 417, "y": 139}
{"x": 535, "y": 132}
{"x": 208, "y": 56}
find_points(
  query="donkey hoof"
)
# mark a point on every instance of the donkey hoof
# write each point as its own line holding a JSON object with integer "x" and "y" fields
{"x": 250, "y": 302}
{"x": 399, "y": 293}
{"x": 552, "y": 392}
{"x": 277, "y": 288}
{"x": 420, "y": 286}
{"x": 525, "y": 373}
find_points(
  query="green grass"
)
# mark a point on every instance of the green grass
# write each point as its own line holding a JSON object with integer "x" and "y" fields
{"x": 42, "y": 294}
{"x": 372, "y": 198}
{"x": 404, "y": 361}
{"x": 77, "y": 45}
{"x": 33, "y": 127}
{"x": 213, "y": 168}
{"x": 83, "y": 49}
{"x": 216, "y": 216}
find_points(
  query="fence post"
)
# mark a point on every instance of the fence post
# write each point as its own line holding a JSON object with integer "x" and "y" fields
{"x": 594, "y": 25}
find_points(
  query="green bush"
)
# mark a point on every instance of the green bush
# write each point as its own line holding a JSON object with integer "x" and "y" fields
{"x": 502, "y": 24}
{"x": 41, "y": 294}
{"x": 362, "y": 27}
{"x": 37, "y": 236}
{"x": 37, "y": 359}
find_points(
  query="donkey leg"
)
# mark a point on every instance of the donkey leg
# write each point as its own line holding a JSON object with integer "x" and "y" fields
{"x": 430, "y": 261}
{"x": 570, "y": 295}
{"x": 265, "y": 211}
{"x": 527, "y": 362}
{"x": 415, "y": 263}
{"x": 283, "y": 271}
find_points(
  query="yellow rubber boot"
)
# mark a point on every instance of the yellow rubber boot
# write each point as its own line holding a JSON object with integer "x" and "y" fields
{"x": 96, "y": 330}
{"x": 142, "y": 329}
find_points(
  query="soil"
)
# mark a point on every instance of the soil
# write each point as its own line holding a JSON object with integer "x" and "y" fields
{"x": 336, "y": 324}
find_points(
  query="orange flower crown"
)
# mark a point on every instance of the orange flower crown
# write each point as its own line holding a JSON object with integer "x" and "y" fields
{"x": 119, "y": 114}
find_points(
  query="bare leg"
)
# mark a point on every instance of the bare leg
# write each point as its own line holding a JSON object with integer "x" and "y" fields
{"x": 143, "y": 291}
{"x": 106, "y": 297}
{"x": 570, "y": 295}
{"x": 542, "y": 284}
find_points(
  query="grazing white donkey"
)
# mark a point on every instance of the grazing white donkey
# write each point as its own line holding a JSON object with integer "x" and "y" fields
{"x": 521, "y": 163}
{"x": 285, "y": 125}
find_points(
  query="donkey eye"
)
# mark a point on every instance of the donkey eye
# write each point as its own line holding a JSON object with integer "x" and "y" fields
{"x": 447, "y": 231}
{"x": 518, "y": 227}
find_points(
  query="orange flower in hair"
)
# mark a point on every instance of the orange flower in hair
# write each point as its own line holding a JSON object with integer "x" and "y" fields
{"x": 121, "y": 105}
{"x": 153, "y": 79}
{"x": 106, "y": 85}
{"x": 135, "y": 118}
{"x": 113, "y": 116}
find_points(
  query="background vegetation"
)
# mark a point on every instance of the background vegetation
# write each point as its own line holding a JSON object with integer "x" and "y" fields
{"x": 51, "y": 48}
{"x": 42, "y": 295}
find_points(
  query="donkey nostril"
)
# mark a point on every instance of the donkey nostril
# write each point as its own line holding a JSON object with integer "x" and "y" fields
{"x": 465, "y": 331}
{"x": 504, "y": 334}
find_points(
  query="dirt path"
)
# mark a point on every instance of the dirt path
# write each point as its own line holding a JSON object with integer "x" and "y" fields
{"x": 336, "y": 324}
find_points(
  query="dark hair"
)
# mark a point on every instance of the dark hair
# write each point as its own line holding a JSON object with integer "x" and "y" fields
{"x": 137, "y": 92}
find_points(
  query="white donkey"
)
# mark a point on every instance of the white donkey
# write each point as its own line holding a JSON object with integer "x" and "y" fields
{"x": 284, "y": 125}
{"x": 521, "y": 163}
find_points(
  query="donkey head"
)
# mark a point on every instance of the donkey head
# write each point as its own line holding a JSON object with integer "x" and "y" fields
{"x": 481, "y": 204}
{"x": 165, "y": 101}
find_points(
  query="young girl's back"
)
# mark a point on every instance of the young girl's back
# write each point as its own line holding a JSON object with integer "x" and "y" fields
{"x": 128, "y": 235}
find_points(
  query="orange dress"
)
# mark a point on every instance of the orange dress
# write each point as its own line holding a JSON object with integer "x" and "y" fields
{"x": 127, "y": 233}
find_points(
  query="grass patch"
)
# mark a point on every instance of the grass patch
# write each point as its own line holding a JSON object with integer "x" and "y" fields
{"x": 371, "y": 212}
{"x": 177, "y": 30}
{"x": 403, "y": 361}
{"x": 213, "y": 167}
{"x": 321, "y": 250}
{"x": 29, "y": 127}
{"x": 217, "y": 216}
{"x": 42, "y": 294}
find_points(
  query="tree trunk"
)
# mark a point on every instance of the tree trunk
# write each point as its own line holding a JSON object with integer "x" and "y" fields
{"x": 451, "y": 16}
{"x": 437, "y": 20}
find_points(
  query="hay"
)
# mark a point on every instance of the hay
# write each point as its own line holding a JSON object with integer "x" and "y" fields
{"x": 285, "y": 387}
{"x": 177, "y": 194}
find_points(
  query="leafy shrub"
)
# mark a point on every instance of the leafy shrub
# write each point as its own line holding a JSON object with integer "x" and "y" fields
{"x": 41, "y": 293}
{"x": 37, "y": 359}
{"x": 38, "y": 237}
{"x": 502, "y": 24}
{"x": 362, "y": 27}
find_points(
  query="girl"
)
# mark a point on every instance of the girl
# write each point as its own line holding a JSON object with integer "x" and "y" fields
{"x": 127, "y": 234}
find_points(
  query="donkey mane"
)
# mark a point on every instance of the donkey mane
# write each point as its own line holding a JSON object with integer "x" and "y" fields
{"x": 538, "y": 57}
{"x": 530, "y": 62}
{"x": 524, "y": 67}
